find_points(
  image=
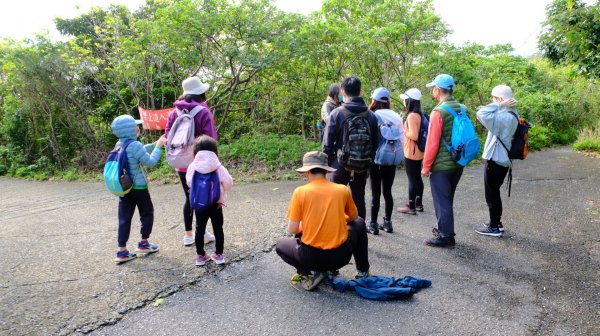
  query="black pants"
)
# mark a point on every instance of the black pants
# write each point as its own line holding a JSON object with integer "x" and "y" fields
{"x": 307, "y": 258}
{"x": 382, "y": 178}
{"x": 415, "y": 182}
{"x": 188, "y": 213}
{"x": 139, "y": 198}
{"x": 215, "y": 214}
{"x": 493, "y": 178}
{"x": 443, "y": 187}
{"x": 357, "y": 183}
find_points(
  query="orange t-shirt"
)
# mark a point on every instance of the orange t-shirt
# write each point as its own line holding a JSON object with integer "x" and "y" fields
{"x": 320, "y": 207}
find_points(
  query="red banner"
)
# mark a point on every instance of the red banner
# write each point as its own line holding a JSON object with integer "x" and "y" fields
{"x": 154, "y": 119}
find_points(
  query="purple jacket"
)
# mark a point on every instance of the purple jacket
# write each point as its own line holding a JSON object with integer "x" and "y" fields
{"x": 203, "y": 121}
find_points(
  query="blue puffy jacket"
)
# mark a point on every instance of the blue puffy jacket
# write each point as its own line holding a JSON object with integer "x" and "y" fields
{"x": 125, "y": 127}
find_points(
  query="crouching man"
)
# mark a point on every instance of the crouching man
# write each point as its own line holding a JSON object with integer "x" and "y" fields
{"x": 325, "y": 217}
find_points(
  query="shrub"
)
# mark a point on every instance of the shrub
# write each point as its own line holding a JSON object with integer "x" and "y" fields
{"x": 539, "y": 137}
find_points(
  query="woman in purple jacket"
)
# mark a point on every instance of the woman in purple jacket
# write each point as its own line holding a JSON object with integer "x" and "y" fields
{"x": 194, "y": 94}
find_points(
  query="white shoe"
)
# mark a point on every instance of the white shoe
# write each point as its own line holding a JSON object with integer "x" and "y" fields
{"x": 188, "y": 240}
{"x": 208, "y": 237}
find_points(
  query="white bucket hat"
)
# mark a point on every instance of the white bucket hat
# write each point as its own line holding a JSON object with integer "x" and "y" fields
{"x": 502, "y": 91}
{"x": 194, "y": 86}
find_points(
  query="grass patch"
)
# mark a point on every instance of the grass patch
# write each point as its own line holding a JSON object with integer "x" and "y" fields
{"x": 589, "y": 140}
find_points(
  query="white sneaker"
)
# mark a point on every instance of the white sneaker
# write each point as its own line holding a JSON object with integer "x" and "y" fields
{"x": 188, "y": 240}
{"x": 208, "y": 237}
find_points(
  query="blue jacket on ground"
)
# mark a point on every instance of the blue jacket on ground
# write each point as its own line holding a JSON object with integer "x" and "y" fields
{"x": 381, "y": 288}
{"x": 125, "y": 127}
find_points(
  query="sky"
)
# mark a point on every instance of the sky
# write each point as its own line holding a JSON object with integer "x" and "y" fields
{"x": 485, "y": 22}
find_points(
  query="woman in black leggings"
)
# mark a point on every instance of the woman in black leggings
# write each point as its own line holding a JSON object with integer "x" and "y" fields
{"x": 381, "y": 177}
{"x": 413, "y": 157}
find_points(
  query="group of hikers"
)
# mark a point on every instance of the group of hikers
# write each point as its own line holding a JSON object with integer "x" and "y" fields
{"x": 327, "y": 215}
{"x": 328, "y": 220}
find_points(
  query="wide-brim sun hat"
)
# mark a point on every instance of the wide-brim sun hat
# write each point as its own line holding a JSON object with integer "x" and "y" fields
{"x": 413, "y": 93}
{"x": 194, "y": 86}
{"x": 442, "y": 81}
{"x": 315, "y": 159}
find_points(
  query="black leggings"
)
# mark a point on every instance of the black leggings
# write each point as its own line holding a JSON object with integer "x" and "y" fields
{"x": 415, "y": 182}
{"x": 187, "y": 209}
{"x": 493, "y": 178}
{"x": 215, "y": 214}
{"x": 382, "y": 178}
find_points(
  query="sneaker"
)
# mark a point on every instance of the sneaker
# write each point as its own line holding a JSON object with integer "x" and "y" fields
{"x": 443, "y": 242}
{"x": 386, "y": 226}
{"x": 373, "y": 228}
{"x": 360, "y": 274}
{"x": 188, "y": 240}
{"x": 124, "y": 256}
{"x": 407, "y": 210}
{"x": 208, "y": 237}
{"x": 145, "y": 247}
{"x": 201, "y": 260}
{"x": 419, "y": 208}
{"x": 487, "y": 230}
{"x": 419, "y": 203}
{"x": 217, "y": 258}
{"x": 311, "y": 281}
{"x": 500, "y": 227}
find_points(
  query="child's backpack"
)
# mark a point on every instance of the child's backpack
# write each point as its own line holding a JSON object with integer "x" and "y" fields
{"x": 520, "y": 142}
{"x": 423, "y": 131}
{"x": 389, "y": 152}
{"x": 355, "y": 155}
{"x": 116, "y": 174}
{"x": 465, "y": 144}
{"x": 181, "y": 139}
{"x": 205, "y": 190}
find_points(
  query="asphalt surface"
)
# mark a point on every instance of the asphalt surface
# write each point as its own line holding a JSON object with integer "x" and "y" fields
{"x": 57, "y": 242}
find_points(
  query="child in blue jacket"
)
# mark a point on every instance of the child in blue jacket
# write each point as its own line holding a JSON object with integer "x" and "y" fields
{"x": 125, "y": 127}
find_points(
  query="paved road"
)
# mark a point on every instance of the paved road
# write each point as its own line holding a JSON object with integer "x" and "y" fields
{"x": 541, "y": 278}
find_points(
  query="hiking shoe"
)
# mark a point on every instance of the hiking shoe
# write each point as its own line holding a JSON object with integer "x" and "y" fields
{"x": 443, "y": 242}
{"x": 419, "y": 208}
{"x": 373, "y": 228}
{"x": 500, "y": 227}
{"x": 361, "y": 274}
{"x": 407, "y": 210}
{"x": 201, "y": 260}
{"x": 188, "y": 240}
{"x": 487, "y": 230}
{"x": 217, "y": 258}
{"x": 124, "y": 256}
{"x": 311, "y": 281}
{"x": 146, "y": 247}
{"x": 386, "y": 226}
{"x": 208, "y": 237}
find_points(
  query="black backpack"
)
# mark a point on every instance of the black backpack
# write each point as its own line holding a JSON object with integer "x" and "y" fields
{"x": 356, "y": 153}
{"x": 520, "y": 143}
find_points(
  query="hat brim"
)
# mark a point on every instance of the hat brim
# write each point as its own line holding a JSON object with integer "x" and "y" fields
{"x": 429, "y": 85}
{"x": 304, "y": 169}
{"x": 138, "y": 122}
{"x": 202, "y": 89}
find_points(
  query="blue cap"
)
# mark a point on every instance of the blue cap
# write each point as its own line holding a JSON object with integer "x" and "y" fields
{"x": 442, "y": 81}
{"x": 381, "y": 95}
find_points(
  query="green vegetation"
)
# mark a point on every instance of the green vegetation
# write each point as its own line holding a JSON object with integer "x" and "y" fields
{"x": 269, "y": 72}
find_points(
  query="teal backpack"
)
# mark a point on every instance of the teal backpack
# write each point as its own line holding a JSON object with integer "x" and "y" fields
{"x": 117, "y": 176}
{"x": 465, "y": 143}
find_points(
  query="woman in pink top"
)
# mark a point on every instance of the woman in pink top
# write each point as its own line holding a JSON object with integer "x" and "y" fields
{"x": 194, "y": 94}
{"x": 413, "y": 157}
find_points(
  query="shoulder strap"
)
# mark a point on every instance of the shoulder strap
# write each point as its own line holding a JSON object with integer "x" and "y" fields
{"x": 448, "y": 109}
{"x": 196, "y": 110}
